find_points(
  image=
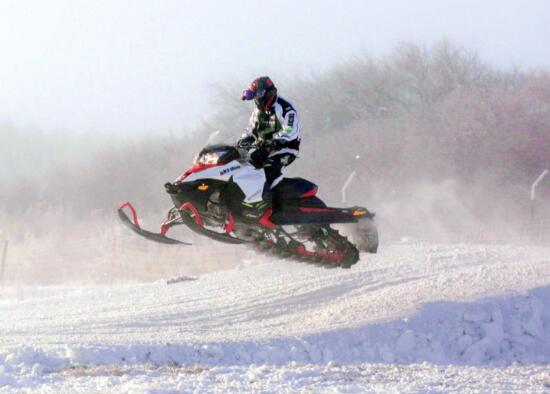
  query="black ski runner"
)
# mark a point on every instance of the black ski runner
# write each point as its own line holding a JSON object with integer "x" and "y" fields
{"x": 134, "y": 226}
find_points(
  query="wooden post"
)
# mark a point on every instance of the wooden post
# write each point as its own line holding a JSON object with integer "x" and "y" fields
{"x": 533, "y": 189}
{"x": 4, "y": 255}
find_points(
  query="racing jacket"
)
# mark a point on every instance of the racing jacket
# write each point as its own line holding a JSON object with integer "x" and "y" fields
{"x": 275, "y": 133}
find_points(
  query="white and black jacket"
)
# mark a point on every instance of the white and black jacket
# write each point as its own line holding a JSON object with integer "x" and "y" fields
{"x": 275, "y": 132}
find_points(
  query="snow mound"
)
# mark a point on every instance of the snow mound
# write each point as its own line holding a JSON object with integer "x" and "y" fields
{"x": 457, "y": 306}
{"x": 496, "y": 331}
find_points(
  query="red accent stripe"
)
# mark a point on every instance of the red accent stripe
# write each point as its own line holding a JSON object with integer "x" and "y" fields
{"x": 310, "y": 193}
{"x": 269, "y": 104}
{"x": 337, "y": 256}
{"x": 195, "y": 168}
{"x": 164, "y": 227}
{"x": 188, "y": 206}
{"x": 230, "y": 225}
{"x": 312, "y": 209}
{"x": 264, "y": 220}
{"x": 134, "y": 213}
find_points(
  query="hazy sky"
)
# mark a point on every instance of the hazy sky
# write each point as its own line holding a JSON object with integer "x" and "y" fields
{"x": 116, "y": 66}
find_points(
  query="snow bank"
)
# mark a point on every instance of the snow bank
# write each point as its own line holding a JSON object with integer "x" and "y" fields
{"x": 495, "y": 331}
{"x": 413, "y": 307}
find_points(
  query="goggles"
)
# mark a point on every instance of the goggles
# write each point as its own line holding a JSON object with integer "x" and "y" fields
{"x": 249, "y": 94}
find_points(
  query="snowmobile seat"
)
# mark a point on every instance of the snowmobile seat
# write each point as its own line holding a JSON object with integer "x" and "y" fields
{"x": 294, "y": 188}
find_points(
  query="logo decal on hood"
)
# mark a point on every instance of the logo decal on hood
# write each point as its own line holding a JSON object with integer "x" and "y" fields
{"x": 229, "y": 170}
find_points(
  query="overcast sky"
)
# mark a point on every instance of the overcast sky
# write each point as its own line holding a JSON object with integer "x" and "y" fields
{"x": 119, "y": 66}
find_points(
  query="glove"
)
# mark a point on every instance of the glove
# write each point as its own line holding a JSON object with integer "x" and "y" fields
{"x": 246, "y": 142}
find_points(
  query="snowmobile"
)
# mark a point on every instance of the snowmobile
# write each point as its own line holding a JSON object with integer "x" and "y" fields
{"x": 210, "y": 199}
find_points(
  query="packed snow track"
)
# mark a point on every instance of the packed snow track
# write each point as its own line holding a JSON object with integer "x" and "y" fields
{"x": 413, "y": 317}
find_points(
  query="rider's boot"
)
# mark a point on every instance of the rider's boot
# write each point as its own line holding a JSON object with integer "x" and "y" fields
{"x": 253, "y": 212}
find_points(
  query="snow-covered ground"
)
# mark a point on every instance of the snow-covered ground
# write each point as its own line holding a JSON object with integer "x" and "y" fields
{"x": 416, "y": 317}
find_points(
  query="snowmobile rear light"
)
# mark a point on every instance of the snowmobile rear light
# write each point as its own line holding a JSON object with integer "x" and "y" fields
{"x": 359, "y": 213}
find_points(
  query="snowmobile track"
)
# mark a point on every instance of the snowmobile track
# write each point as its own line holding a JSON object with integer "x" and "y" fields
{"x": 296, "y": 252}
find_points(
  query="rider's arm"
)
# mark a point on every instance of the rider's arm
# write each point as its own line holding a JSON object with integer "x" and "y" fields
{"x": 248, "y": 134}
{"x": 248, "y": 140}
{"x": 290, "y": 127}
{"x": 288, "y": 139}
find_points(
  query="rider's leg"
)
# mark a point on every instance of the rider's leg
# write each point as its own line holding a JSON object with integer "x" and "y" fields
{"x": 256, "y": 184}
{"x": 274, "y": 174}
{"x": 274, "y": 168}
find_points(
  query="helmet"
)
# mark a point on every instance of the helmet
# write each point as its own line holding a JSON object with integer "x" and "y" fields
{"x": 263, "y": 91}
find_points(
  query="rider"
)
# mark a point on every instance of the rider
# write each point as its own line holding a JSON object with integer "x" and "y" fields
{"x": 273, "y": 132}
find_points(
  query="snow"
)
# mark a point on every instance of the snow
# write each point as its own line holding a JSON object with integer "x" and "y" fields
{"x": 414, "y": 317}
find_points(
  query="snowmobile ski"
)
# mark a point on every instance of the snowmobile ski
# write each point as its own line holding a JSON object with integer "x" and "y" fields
{"x": 133, "y": 224}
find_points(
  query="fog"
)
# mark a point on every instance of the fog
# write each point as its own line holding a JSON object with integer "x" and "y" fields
{"x": 139, "y": 66}
{"x": 445, "y": 135}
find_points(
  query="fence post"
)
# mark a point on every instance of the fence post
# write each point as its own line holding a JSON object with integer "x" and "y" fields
{"x": 4, "y": 256}
{"x": 346, "y": 184}
{"x": 533, "y": 189}
{"x": 348, "y": 181}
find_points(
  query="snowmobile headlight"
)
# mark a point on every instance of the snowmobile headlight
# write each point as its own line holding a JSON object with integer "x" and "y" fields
{"x": 209, "y": 158}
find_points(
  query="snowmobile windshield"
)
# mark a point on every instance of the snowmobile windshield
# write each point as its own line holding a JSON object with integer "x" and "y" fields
{"x": 216, "y": 155}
